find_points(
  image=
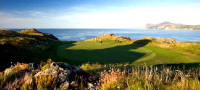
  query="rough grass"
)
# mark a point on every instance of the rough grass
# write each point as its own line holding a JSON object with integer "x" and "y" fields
{"x": 150, "y": 78}
{"x": 113, "y": 77}
{"x": 8, "y": 77}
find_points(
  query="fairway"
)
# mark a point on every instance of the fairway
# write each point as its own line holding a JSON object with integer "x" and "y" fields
{"x": 111, "y": 52}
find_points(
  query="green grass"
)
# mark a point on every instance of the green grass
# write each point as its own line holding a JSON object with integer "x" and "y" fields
{"x": 18, "y": 47}
{"x": 108, "y": 52}
{"x": 111, "y": 52}
{"x": 157, "y": 55}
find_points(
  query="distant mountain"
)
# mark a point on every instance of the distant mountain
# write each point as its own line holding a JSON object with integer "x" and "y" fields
{"x": 172, "y": 26}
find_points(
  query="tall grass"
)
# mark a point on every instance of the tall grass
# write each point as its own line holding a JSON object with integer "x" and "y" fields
{"x": 9, "y": 76}
{"x": 150, "y": 78}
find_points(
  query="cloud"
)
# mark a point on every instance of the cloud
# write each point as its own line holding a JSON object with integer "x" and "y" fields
{"x": 36, "y": 13}
{"x": 8, "y": 20}
{"x": 115, "y": 17}
{"x": 132, "y": 17}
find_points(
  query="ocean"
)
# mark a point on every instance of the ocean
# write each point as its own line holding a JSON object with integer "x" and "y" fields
{"x": 84, "y": 34}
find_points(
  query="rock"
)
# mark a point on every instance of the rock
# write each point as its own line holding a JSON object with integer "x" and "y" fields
{"x": 64, "y": 74}
{"x": 55, "y": 75}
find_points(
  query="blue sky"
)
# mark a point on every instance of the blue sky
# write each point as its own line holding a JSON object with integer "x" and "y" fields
{"x": 96, "y": 13}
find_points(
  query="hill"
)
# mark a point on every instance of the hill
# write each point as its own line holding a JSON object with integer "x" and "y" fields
{"x": 24, "y": 45}
{"x": 172, "y": 26}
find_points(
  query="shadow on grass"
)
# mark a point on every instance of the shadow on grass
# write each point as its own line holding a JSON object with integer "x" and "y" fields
{"x": 141, "y": 43}
{"x": 113, "y": 55}
{"x": 29, "y": 54}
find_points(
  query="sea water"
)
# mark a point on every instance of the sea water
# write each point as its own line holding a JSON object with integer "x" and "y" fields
{"x": 84, "y": 34}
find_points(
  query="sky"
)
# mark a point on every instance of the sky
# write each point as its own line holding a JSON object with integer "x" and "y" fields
{"x": 96, "y": 13}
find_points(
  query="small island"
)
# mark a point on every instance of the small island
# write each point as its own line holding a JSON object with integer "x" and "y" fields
{"x": 171, "y": 26}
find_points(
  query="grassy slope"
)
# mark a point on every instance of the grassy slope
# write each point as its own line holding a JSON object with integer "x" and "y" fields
{"x": 110, "y": 52}
{"x": 17, "y": 47}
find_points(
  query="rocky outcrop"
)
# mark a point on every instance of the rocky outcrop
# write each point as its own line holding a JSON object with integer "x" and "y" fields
{"x": 110, "y": 37}
{"x": 162, "y": 42}
{"x": 51, "y": 76}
